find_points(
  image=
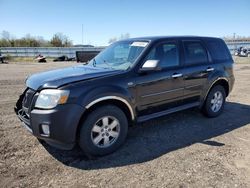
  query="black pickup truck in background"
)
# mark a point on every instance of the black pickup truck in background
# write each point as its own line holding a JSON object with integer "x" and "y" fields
{"x": 85, "y": 56}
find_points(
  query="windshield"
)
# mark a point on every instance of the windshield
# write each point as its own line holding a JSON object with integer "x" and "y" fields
{"x": 120, "y": 55}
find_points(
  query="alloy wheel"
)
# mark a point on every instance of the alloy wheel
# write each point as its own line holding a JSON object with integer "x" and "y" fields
{"x": 105, "y": 131}
{"x": 217, "y": 101}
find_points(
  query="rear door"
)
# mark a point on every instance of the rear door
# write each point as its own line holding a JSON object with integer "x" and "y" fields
{"x": 198, "y": 66}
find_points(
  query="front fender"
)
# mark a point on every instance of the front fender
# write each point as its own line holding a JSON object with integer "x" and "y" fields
{"x": 108, "y": 92}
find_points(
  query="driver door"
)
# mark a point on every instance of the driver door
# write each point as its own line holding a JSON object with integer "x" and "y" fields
{"x": 162, "y": 89}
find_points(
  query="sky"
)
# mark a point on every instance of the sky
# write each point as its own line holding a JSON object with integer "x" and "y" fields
{"x": 105, "y": 19}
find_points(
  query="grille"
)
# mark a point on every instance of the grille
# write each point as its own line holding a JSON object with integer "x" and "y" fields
{"x": 27, "y": 99}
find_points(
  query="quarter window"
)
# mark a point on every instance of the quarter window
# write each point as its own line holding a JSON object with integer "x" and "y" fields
{"x": 194, "y": 52}
{"x": 166, "y": 53}
{"x": 218, "y": 50}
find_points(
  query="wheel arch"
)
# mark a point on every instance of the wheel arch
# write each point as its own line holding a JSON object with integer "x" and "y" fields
{"x": 219, "y": 81}
{"x": 115, "y": 100}
{"x": 120, "y": 102}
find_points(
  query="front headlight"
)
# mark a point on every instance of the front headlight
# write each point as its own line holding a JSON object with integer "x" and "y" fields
{"x": 49, "y": 98}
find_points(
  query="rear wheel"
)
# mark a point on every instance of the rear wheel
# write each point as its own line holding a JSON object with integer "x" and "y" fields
{"x": 215, "y": 101}
{"x": 104, "y": 131}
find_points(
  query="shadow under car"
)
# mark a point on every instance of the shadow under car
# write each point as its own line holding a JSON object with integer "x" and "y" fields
{"x": 161, "y": 136}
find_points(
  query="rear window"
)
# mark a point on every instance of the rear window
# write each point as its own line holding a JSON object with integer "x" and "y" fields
{"x": 194, "y": 52}
{"x": 218, "y": 50}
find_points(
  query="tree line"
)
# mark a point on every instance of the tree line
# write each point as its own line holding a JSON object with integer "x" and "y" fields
{"x": 58, "y": 40}
{"x": 61, "y": 40}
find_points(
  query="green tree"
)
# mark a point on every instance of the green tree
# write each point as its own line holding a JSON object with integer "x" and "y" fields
{"x": 60, "y": 40}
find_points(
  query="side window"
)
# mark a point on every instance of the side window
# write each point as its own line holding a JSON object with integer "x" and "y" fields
{"x": 194, "y": 52}
{"x": 218, "y": 50}
{"x": 166, "y": 53}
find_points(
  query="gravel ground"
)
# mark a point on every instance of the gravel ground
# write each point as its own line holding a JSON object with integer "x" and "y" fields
{"x": 184, "y": 149}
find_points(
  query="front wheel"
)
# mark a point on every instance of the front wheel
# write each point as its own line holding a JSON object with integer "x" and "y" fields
{"x": 215, "y": 101}
{"x": 104, "y": 131}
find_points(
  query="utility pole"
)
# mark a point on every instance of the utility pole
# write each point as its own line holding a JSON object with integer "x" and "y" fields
{"x": 82, "y": 34}
{"x": 235, "y": 47}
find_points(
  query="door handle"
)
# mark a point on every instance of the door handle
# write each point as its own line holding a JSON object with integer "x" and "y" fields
{"x": 209, "y": 69}
{"x": 176, "y": 75}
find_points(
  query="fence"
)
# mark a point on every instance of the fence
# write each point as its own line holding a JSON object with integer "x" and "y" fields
{"x": 71, "y": 51}
{"x": 234, "y": 45}
{"x": 46, "y": 51}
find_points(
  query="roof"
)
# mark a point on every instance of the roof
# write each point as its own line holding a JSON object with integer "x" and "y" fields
{"x": 154, "y": 38}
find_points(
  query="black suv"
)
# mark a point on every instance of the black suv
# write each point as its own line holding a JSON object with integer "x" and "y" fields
{"x": 131, "y": 81}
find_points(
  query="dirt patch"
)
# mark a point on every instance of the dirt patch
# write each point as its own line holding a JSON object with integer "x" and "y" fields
{"x": 184, "y": 149}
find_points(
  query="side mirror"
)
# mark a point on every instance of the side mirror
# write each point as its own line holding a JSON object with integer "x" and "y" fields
{"x": 150, "y": 65}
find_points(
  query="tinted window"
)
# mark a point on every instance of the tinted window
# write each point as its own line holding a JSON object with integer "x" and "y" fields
{"x": 166, "y": 53}
{"x": 194, "y": 52}
{"x": 218, "y": 50}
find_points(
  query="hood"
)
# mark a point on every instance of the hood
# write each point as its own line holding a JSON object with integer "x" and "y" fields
{"x": 60, "y": 77}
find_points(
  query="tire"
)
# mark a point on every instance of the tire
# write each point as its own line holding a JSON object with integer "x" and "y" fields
{"x": 214, "y": 104}
{"x": 98, "y": 136}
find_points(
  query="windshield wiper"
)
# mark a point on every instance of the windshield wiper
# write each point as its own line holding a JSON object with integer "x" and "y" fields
{"x": 94, "y": 62}
{"x": 85, "y": 63}
{"x": 104, "y": 61}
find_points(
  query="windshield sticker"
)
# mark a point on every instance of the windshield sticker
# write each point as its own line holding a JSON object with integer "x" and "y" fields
{"x": 139, "y": 44}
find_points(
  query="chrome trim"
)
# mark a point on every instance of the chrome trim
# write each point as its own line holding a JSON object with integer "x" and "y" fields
{"x": 115, "y": 98}
{"x": 44, "y": 135}
{"x": 26, "y": 111}
{"x": 210, "y": 69}
{"x": 130, "y": 84}
{"x": 177, "y": 75}
{"x": 197, "y": 85}
{"x": 21, "y": 115}
{"x": 220, "y": 78}
{"x": 162, "y": 92}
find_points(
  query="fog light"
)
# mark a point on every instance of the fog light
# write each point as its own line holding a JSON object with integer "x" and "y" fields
{"x": 45, "y": 129}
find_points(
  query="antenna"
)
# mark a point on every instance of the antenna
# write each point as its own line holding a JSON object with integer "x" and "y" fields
{"x": 82, "y": 34}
